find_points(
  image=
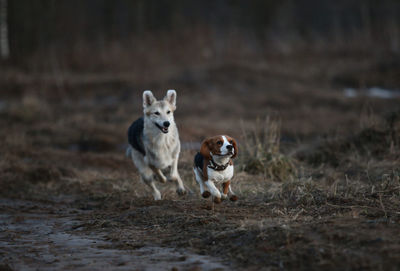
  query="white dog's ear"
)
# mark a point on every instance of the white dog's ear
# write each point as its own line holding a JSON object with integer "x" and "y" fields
{"x": 171, "y": 97}
{"x": 148, "y": 98}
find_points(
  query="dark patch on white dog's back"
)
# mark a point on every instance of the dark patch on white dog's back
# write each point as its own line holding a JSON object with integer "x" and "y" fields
{"x": 198, "y": 160}
{"x": 135, "y": 135}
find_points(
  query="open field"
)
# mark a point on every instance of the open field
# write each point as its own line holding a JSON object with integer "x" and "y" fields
{"x": 318, "y": 182}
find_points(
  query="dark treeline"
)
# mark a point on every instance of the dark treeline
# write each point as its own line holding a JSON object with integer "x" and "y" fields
{"x": 40, "y": 24}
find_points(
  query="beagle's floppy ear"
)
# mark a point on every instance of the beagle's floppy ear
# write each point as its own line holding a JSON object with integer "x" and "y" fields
{"x": 148, "y": 98}
{"x": 235, "y": 147}
{"x": 171, "y": 97}
{"x": 205, "y": 149}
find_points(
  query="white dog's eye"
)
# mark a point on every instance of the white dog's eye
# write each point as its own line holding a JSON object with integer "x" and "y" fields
{"x": 157, "y": 113}
{"x": 168, "y": 112}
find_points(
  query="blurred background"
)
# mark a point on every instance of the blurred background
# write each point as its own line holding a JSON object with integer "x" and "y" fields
{"x": 116, "y": 35}
{"x": 321, "y": 66}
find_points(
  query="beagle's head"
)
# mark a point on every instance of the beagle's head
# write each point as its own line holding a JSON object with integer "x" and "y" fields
{"x": 221, "y": 145}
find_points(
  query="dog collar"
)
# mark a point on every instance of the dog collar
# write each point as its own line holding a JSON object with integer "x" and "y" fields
{"x": 217, "y": 167}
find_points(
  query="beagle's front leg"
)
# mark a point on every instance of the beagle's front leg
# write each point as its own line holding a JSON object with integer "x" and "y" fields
{"x": 232, "y": 195}
{"x": 213, "y": 190}
{"x": 204, "y": 180}
{"x": 225, "y": 189}
{"x": 199, "y": 179}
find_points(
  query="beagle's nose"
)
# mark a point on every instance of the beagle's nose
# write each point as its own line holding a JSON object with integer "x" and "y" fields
{"x": 229, "y": 147}
{"x": 166, "y": 123}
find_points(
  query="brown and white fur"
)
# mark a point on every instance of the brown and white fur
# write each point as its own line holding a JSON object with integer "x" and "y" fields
{"x": 213, "y": 165}
{"x": 154, "y": 142}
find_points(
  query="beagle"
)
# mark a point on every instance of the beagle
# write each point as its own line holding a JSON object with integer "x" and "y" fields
{"x": 213, "y": 165}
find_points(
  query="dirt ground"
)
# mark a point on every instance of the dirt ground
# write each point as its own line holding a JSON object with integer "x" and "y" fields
{"x": 323, "y": 193}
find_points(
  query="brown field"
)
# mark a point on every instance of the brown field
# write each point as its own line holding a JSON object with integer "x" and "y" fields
{"x": 318, "y": 173}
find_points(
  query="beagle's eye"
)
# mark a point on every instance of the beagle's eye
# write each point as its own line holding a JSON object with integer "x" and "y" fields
{"x": 157, "y": 113}
{"x": 168, "y": 112}
{"x": 219, "y": 143}
{"x": 231, "y": 141}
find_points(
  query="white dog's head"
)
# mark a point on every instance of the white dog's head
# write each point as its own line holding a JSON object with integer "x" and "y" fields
{"x": 161, "y": 113}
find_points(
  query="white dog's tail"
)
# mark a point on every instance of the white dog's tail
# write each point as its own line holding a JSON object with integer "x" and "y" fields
{"x": 128, "y": 152}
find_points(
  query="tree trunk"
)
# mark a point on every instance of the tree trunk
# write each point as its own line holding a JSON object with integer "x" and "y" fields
{"x": 4, "y": 42}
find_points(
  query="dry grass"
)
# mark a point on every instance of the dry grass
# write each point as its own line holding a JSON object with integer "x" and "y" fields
{"x": 294, "y": 212}
{"x": 260, "y": 152}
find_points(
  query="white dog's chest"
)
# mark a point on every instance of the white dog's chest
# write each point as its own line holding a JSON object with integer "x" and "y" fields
{"x": 221, "y": 175}
{"x": 161, "y": 155}
{"x": 164, "y": 156}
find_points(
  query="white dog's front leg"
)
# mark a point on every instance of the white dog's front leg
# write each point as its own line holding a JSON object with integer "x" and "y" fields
{"x": 148, "y": 179}
{"x": 146, "y": 173}
{"x": 214, "y": 191}
{"x": 156, "y": 193}
{"x": 159, "y": 174}
{"x": 175, "y": 177}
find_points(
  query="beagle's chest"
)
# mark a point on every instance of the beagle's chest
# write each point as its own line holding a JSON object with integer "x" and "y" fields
{"x": 220, "y": 175}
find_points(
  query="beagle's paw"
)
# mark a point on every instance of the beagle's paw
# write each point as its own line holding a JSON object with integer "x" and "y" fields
{"x": 206, "y": 194}
{"x": 217, "y": 200}
{"x": 233, "y": 198}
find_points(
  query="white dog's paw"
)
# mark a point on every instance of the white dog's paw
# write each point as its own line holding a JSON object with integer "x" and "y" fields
{"x": 181, "y": 191}
{"x": 157, "y": 195}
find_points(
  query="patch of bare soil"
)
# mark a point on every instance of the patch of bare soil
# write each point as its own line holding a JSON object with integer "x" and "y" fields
{"x": 38, "y": 236}
{"x": 297, "y": 229}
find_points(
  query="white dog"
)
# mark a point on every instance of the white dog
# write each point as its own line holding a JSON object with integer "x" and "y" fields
{"x": 154, "y": 142}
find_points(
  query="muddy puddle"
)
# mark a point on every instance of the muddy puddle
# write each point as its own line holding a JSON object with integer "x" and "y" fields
{"x": 36, "y": 237}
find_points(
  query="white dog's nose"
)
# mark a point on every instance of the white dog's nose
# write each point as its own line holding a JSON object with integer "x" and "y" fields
{"x": 166, "y": 123}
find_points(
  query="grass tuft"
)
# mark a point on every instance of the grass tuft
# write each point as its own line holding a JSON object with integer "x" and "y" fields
{"x": 261, "y": 153}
